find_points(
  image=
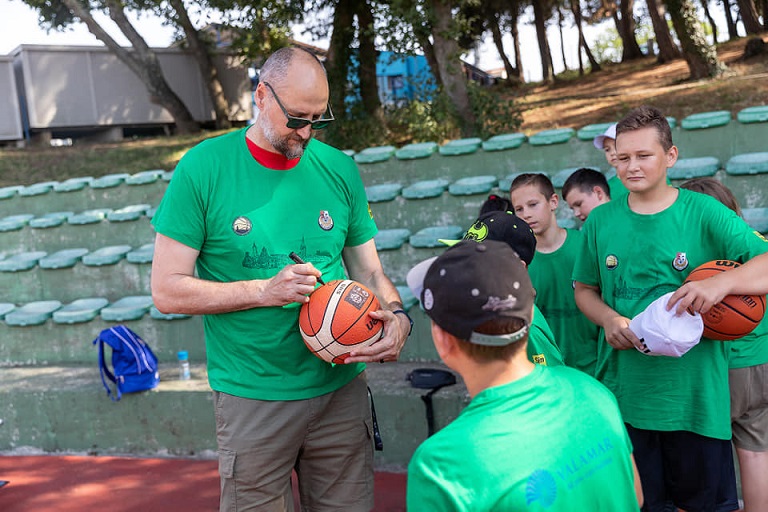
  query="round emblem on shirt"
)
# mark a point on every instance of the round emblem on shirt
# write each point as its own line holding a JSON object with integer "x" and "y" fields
{"x": 241, "y": 226}
{"x": 325, "y": 220}
{"x": 680, "y": 262}
{"x": 611, "y": 262}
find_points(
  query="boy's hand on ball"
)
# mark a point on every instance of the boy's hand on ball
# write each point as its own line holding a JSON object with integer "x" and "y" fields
{"x": 619, "y": 335}
{"x": 293, "y": 283}
{"x": 388, "y": 348}
{"x": 699, "y": 296}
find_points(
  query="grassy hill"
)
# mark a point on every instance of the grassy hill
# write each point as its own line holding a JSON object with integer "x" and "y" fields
{"x": 571, "y": 102}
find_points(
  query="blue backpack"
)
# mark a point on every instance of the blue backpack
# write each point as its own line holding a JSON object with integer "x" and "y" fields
{"x": 134, "y": 364}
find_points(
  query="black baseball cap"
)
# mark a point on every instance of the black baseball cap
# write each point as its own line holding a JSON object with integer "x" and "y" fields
{"x": 472, "y": 283}
{"x": 503, "y": 226}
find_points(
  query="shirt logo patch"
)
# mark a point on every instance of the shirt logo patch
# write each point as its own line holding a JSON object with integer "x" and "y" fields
{"x": 370, "y": 212}
{"x": 242, "y": 226}
{"x": 325, "y": 220}
{"x": 680, "y": 262}
{"x": 541, "y": 488}
{"x": 611, "y": 262}
{"x": 760, "y": 236}
{"x": 540, "y": 359}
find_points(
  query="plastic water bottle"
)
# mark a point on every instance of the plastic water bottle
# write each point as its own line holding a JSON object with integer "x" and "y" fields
{"x": 183, "y": 365}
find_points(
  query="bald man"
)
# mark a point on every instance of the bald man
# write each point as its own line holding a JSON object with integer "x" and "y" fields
{"x": 236, "y": 207}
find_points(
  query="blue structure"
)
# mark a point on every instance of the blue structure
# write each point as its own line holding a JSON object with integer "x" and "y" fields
{"x": 403, "y": 77}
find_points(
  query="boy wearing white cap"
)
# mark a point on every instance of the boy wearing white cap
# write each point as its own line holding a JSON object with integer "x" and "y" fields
{"x": 533, "y": 437}
{"x": 634, "y": 251}
{"x": 606, "y": 142}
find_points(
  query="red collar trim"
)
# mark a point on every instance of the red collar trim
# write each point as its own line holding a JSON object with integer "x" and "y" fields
{"x": 270, "y": 160}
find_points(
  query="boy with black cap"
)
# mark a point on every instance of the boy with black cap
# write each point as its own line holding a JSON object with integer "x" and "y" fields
{"x": 532, "y": 437}
{"x": 505, "y": 226}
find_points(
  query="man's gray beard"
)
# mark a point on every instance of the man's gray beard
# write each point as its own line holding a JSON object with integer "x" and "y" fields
{"x": 281, "y": 144}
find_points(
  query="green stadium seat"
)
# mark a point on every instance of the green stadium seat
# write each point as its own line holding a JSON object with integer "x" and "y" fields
{"x": 383, "y": 192}
{"x": 167, "y": 175}
{"x": 110, "y": 180}
{"x": 73, "y": 184}
{"x": 506, "y": 182}
{"x": 144, "y": 177}
{"x": 757, "y": 218}
{"x": 706, "y": 120}
{"x": 391, "y": 239}
{"x": 426, "y": 189}
{"x": 753, "y": 115}
{"x": 9, "y": 192}
{"x": 472, "y": 185}
{"x": 128, "y": 213}
{"x": 349, "y": 152}
{"x": 89, "y": 216}
{"x": 157, "y": 315}
{"x": 38, "y": 189}
{"x": 151, "y": 212}
{"x": 143, "y": 254}
{"x": 374, "y": 155}
{"x": 548, "y": 137}
{"x": 748, "y": 163}
{"x": 558, "y": 180}
{"x": 50, "y": 220}
{"x": 80, "y": 310}
{"x": 460, "y": 147}
{"x": 127, "y": 308}
{"x": 409, "y": 300}
{"x": 106, "y": 255}
{"x": 416, "y": 151}
{"x": 22, "y": 261}
{"x": 62, "y": 259}
{"x": 504, "y": 141}
{"x": 5, "y": 308}
{"x": 591, "y": 131}
{"x": 32, "y": 313}
{"x": 672, "y": 122}
{"x": 687, "y": 168}
{"x": 431, "y": 236}
{"x": 15, "y": 222}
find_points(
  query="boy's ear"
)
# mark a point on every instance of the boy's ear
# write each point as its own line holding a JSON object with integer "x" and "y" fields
{"x": 445, "y": 344}
{"x": 672, "y": 156}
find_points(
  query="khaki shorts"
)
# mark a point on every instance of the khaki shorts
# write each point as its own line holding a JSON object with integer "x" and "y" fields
{"x": 749, "y": 407}
{"x": 326, "y": 439}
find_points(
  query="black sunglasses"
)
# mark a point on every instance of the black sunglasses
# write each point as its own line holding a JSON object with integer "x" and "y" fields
{"x": 297, "y": 123}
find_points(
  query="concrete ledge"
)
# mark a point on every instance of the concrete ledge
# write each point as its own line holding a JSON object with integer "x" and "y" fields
{"x": 65, "y": 409}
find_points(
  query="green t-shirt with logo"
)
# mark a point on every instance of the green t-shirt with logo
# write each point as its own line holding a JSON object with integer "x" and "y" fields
{"x": 245, "y": 219}
{"x": 575, "y": 334}
{"x": 553, "y": 440}
{"x": 542, "y": 348}
{"x": 635, "y": 259}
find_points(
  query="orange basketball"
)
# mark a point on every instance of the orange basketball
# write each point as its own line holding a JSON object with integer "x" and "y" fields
{"x": 336, "y": 320}
{"x": 736, "y": 315}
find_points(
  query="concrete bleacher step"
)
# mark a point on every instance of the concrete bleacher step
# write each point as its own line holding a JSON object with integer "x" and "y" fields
{"x": 66, "y": 409}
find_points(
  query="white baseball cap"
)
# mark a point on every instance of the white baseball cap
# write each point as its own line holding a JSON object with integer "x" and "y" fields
{"x": 664, "y": 333}
{"x": 610, "y": 133}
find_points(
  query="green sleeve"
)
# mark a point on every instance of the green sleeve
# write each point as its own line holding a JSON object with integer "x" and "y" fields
{"x": 361, "y": 224}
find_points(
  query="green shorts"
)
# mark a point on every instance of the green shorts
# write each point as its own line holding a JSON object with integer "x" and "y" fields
{"x": 326, "y": 439}
{"x": 749, "y": 407}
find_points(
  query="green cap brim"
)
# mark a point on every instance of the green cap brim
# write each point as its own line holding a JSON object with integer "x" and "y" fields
{"x": 449, "y": 243}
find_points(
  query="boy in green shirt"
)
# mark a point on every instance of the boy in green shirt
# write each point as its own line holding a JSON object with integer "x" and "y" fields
{"x": 533, "y": 437}
{"x": 585, "y": 190}
{"x": 634, "y": 251}
{"x": 535, "y": 201}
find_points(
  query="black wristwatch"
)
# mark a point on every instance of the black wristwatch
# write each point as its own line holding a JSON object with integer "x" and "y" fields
{"x": 410, "y": 320}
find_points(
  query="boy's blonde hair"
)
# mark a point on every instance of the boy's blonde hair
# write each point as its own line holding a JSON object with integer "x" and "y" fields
{"x": 541, "y": 181}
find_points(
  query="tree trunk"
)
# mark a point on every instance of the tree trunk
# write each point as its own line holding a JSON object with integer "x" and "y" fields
{"x": 429, "y": 54}
{"x": 668, "y": 50}
{"x": 369, "y": 89}
{"x": 733, "y": 33}
{"x": 710, "y": 19}
{"x": 447, "y": 53}
{"x": 142, "y": 61}
{"x": 208, "y": 69}
{"x": 338, "y": 57}
{"x": 539, "y": 20}
{"x": 560, "y": 22}
{"x": 493, "y": 24}
{"x": 631, "y": 50}
{"x": 749, "y": 17}
{"x": 576, "y": 10}
{"x": 765, "y": 15}
{"x": 701, "y": 57}
{"x": 514, "y": 31}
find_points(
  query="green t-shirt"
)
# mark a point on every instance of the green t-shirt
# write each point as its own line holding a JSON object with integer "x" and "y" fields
{"x": 553, "y": 440}
{"x": 752, "y": 349}
{"x": 245, "y": 219}
{"x": 575, "y": 334}
{"x": 542, "y": 348}
{"x": 635, "y": 259}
